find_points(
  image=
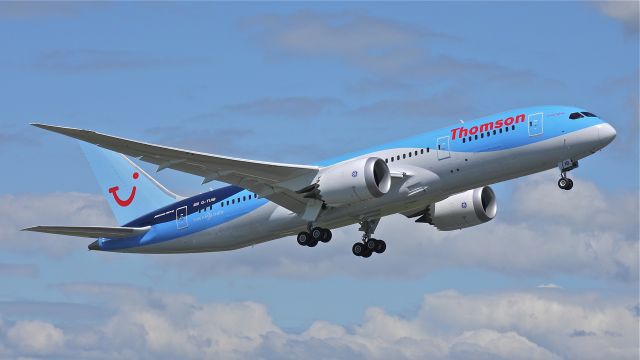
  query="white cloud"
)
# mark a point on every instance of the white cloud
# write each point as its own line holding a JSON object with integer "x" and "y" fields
{"x": 35, "y": 337}
{"x": 448, "y": 325}
{"x": 549, "y": 286}
{"x": 627, "y": 12}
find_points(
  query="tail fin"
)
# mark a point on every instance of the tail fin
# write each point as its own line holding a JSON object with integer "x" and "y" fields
{"x": 129, "y": 190}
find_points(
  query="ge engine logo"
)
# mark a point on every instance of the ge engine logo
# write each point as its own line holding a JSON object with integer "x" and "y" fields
{"x": 464, "y": 205}
{"x": 354, "y": 173}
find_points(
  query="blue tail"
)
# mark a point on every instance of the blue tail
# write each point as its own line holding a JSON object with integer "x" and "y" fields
{"x": 129, "y": 190}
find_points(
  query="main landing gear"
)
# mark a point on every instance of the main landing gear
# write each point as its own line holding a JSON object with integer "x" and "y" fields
{"x": 369, "y": 245}
{"x": 313, "y": 236}
{"x": 565, "y": 166}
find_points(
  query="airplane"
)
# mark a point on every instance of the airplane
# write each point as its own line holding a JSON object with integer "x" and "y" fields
{"x": 439, "y": 178}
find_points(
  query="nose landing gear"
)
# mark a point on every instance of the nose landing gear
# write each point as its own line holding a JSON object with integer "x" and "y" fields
{"x": 565, "y": 183}
{"x": 565, "y": 166}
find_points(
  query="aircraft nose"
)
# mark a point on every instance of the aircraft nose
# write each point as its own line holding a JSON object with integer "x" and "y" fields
{"x": 606, "y": 134}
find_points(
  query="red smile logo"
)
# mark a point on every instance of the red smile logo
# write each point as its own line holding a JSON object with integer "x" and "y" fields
{"x": 127, "y": 202}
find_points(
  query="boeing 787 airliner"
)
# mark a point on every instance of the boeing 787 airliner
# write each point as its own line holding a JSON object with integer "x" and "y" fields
{"x": 439, "y": 177}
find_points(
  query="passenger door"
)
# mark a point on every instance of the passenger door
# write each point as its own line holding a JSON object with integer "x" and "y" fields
{"x": 443, "y": 148}
{"x": 535, "y": 124}
{"x": 181, "y": 218}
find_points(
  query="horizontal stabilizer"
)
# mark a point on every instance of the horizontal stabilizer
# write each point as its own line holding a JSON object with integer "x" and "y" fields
{"x": 94, "y": 232}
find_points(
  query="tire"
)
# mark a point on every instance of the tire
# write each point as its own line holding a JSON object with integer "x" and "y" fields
{"x": 367, "y": 253}
{"x": 358, "y": 249}
{"x": 371, "y": 244}
{"x": 381, "y": 246}
{"x": 303, "y": 238}
{"x": 562, "y": 183}
{"x": 569, "y": 184}
{"x": 326, "y": 235}
{"x": 312, "y": 242}
{"x": 316, "y": 233}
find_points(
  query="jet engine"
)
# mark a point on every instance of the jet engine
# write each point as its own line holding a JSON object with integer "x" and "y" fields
{"x": 353, "y": 181}
{"x": 466, "y": 209}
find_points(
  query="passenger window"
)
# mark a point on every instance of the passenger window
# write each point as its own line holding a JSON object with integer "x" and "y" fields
{"x": 575, "y": 115}
{"x": 421, "y": 151}
{"x": 488, "y": 133}
{"x": 416, "y": 153}
{"x": 391, "y": 159}
{"x": 427, "y": 149}
{"x": 249, "y": 196}
{"x": 476, "y": 136}
{"x": 233, "y": 201}
{"x": 386, "y": 160}
{"x": 409, "y": 153}
{"x": 470, "y": 138}
{"x": 404, "y": 156}
{"x": 506, "y": 129}
{"x": 482, "y": 136}
{"x": 494, "y": 132}
{"x": 464, "y": 140}
{"x": 513, "y": 127}
{"x": 500, "y": 130}
{"x": 398, "y": 157}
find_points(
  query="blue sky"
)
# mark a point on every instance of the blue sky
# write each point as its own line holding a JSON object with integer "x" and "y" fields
{"x": 302, "y": 82}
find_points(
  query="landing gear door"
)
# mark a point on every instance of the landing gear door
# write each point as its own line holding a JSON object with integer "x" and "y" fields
{"x": 443, "y": 148}
{"x": 181, "y": 218}
{"x": 535, "y": 124}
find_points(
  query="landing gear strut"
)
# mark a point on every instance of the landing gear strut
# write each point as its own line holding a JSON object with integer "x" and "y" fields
{"x": 368, "y": 245}
{"x": 565, "y": 166}
{"x": 311, "y": 237}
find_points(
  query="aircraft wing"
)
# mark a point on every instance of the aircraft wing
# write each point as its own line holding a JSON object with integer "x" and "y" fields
{"x": 91, "y": 231}
{"x": 274, "y": 181}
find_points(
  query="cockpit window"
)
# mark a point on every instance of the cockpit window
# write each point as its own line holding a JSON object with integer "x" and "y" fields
{"x": 575, "y": 115}
{"x": 588, "y": 114}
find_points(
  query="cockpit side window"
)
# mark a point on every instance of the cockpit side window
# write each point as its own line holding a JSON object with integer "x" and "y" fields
{"x": 575, "y": 115}
{"x": 588, "y": 114}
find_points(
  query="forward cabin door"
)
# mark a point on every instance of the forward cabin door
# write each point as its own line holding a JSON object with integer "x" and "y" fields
{"x": 443, "y": 148}
{"x": 535, "y": 124}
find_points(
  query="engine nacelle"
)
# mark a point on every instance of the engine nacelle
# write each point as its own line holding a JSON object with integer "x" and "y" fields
{"x": 354, "y": 181}
{"x": 470, "y": 208}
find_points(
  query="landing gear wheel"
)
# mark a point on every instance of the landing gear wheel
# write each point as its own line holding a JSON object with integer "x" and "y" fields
{"x": 562, "y": 183}
{"x": 569, "y": 184}
{"x": 367, "y": 253}
{"x": 312, "y": 242}
{"x": 316, "y": 233}
{"x": 326, "y": 235}
{"x": 371, "y": 244}
{"x": 358, "y": 249}
{"x": 381, "y": 246}
{"x": 303, "y": 238}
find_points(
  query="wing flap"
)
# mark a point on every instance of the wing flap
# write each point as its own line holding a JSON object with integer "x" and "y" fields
{"x": 94, "y": 232}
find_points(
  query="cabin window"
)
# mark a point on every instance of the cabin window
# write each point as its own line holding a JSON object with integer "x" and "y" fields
{"x": 421, "y": 151}
{"x": 416, "y": 153}
{"x": 391, "y": 159}
{"x": 488, "y": 133}
{"x": 506, "y": 129}
{"x": 476, "y": 137}
{"x": 500, "y": 130}
{"x": 427, "y": 149}
{"x": 482, "y": 135}
{"x": 409, "y": 153}
{"x": 386, "y": 160}
{"x": 244, "y": 198}
{"x": 398, "y": 157}
{"x": 470, "y": 138}
{"x": 464, "y": 140}
{"x": 249, "y": 196}
{"x": 494, "y": 132}
{"x": 404, "y": 156}
{"x": 513, "y": 127}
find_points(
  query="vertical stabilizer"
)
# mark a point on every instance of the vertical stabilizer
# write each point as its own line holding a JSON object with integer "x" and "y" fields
{"x": 129, "y": 190}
